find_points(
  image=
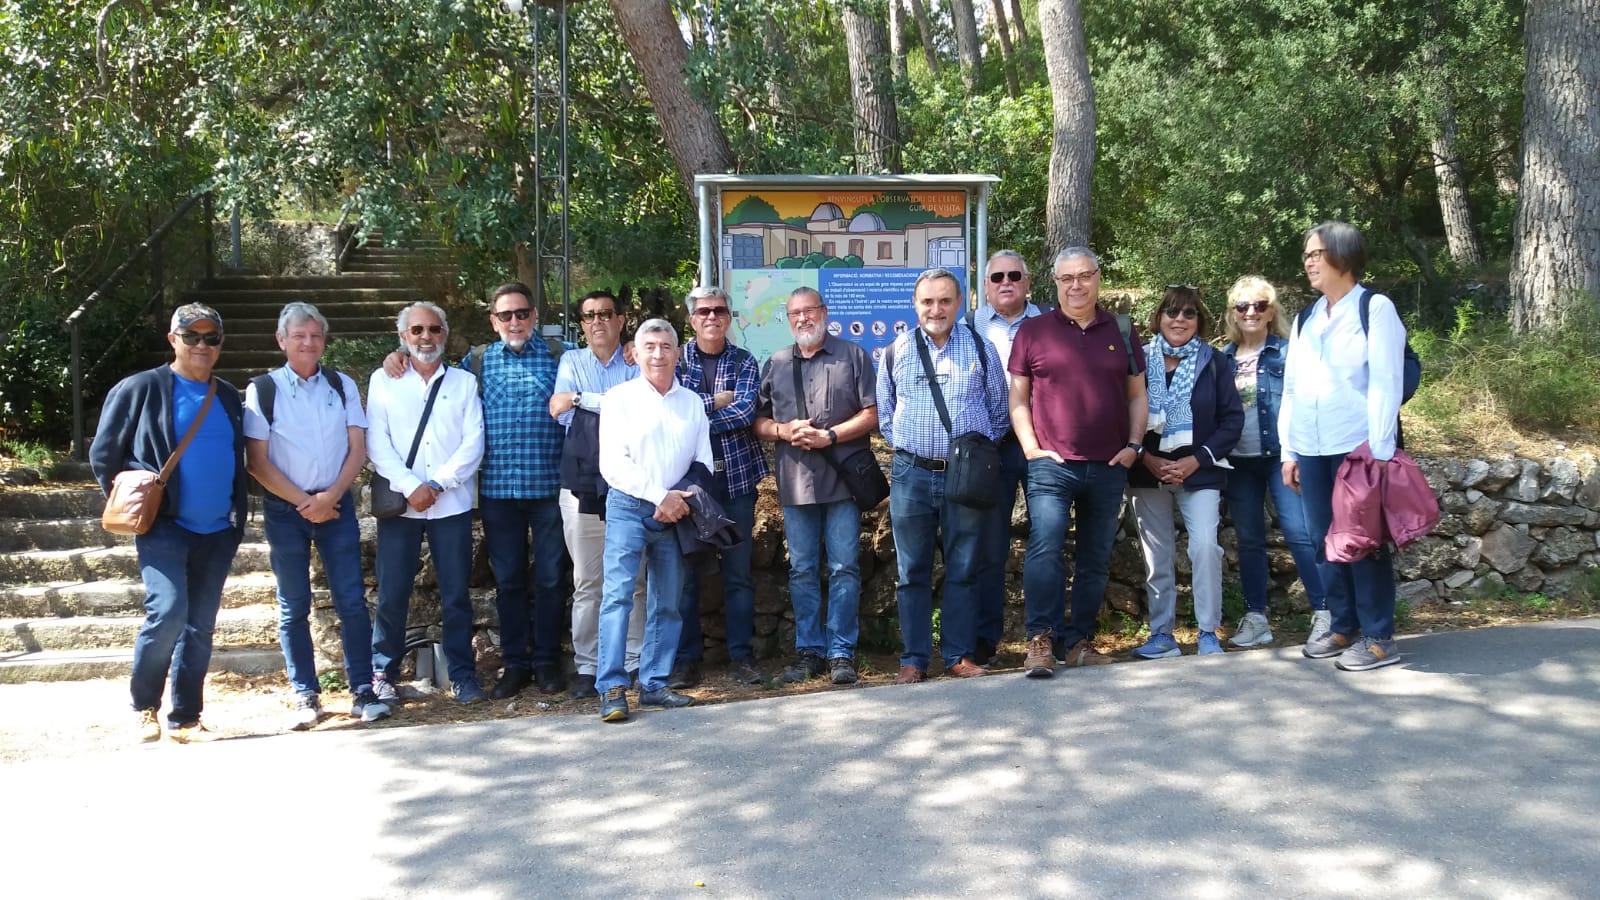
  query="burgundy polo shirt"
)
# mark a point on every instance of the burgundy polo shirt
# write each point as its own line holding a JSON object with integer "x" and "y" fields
{"x": 1080, "y": 383}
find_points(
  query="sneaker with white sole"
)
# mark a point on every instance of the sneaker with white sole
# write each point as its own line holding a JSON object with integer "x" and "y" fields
{"x": 1160, "y": 646}
{"x": 1329, "y": 645}
{"x": 384, "y": 690}
{"x": 307, "y": 710}
{"x": 1321, "y": 624}
{"x": 1368, "y": 653}
{"x": 1253, "y": 631}
{"x": 366, "y": 706}
{"x": 1208, "y": 645}
{"x": 149, "y": 726}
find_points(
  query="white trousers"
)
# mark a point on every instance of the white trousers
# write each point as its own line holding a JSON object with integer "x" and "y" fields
{"x": 1158, "y": 538}
{"x": 586, "y": 543}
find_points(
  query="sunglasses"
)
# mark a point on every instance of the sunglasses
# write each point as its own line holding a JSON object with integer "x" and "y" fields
{"x": 1259, "y": 306}
{"x": 420, "y": 330}
{"x": 597, "y": 315}
{"x": 1188, "y": 312}
{"x": 190, "y": 338}
{"x": 521, "y": 315}
{"x": 707, "y": 312}
{"x": 1013, "y": 275}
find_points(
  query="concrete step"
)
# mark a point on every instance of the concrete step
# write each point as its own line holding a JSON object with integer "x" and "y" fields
{"x": 255, "y": 625}
{"x": 306, "y": 282}
{"x": 121, "y": 596}
{"x": 259, "y": 341}
{"x": 230, "y": 298}
{"x": 82, "y": 665}
{"x": 374, "y": 309}
{"x": 55, "y": 503}
{"x": 75, "y": 533}
{"x": 101, "y": 563}
{"x": 339, "y": 326}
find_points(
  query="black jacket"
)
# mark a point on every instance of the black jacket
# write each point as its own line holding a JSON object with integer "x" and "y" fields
{"x": 580, "y": 462}
{"x": 706, "y": 531}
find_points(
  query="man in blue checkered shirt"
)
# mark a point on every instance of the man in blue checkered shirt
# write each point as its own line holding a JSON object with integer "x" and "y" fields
{"x": 973, "y": 383}
{"x": 727, "y": 379}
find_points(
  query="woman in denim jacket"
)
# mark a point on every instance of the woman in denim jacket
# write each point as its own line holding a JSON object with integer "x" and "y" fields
{"x": 1258, "y": 341}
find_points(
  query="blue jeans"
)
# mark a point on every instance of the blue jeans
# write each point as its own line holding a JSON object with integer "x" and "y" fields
{"x": 995, "y": 551}
{"x": 738, "y": 590}
{"x": 632, "y": 535}
{"x": 1093, "y": 491}
{"x": 1360, "y": 594}
{"x": 338, "y": 542}
{"x": 530, "y": 628}
{"x": 1251, "y": 480}
{"x": 921, "y": 515}
{"x": 807, "y": 530}
{"x": 183, "y": 574}
{"x": 399, "y": 558}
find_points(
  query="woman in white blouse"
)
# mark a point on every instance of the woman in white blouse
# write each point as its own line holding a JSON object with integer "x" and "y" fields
{"x": 1342, "y": 388}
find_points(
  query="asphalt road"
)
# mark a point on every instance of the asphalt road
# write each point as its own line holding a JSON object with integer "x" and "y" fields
{"x": 1472, "y": 770}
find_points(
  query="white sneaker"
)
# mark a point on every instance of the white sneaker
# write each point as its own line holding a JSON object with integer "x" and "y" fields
{"x": 1253, "y": 631}
{"x": 1321, "y": 624}
{"x": 307, "y": 710}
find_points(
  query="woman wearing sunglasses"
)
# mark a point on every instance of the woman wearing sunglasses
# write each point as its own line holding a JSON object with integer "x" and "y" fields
{"x": 1258, "y": 343}
{"x": 1195, "y": 418}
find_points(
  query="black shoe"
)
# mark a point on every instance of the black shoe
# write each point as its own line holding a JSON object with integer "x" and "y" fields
{"x": 633, "y": 679}
{"x": 684, "y": 675}
{"x": 614, "y": 707}
{"x": 809, "y": 666}
{"x": 549, "y": 679}
{"x": 666, "y": 698}
{"x": 745, "y": 671}
{"x": 843, "y": 669}
{"x": 512, "y": 682}
{"x": 583, "y": 687}
{"x": 983, "y": 653}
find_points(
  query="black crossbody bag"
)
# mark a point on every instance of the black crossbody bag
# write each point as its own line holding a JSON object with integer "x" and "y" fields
{"x": 859, "y": 470}
{"x": 385, "y": 501}
{"x": 972, "y": 471}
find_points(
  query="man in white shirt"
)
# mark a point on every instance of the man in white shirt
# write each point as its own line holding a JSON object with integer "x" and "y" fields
{"x": 439, "y": 486}
{"x": 652, "y": 429}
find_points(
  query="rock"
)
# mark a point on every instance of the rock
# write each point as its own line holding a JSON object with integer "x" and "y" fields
{"x": 1416, "y": 592}
{"x": 1471, "y": 552}
{"x": 1500, "y": 473}
{"x": 1529, "y": 578}
{"x": 1541, "y": 514}
{"x": 1429, "y": 557}
{"x": 1473, "y": 495}
{"x": 1473, "y": 474}
{"x": 1454, "y": 502}
{"x": 1490, "y": 585}
{"x": 20, "y": 476}
{"x": 1526, "y": 487}
{"x": 1589, "y": 492}
{"x": 1507, "y": 549}
{"x": 1443, "y": 473}
{"x": 1455, "y": 580}
{"x": 1124, "y": 599}
{"x": 1562, "y": 480}
{"x": 1562, "y": 546}
{"x": 1481, "y": 517}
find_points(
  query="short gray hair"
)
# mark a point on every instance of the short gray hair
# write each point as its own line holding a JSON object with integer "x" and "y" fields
{"x": 931, "y": 274}
{"x": 654, "y": 326}
{"x": 1073, "y": 253}
{"x": 1007, "y": 254}
{"x": 403, "y": 321}
{"x": 708, "y": 290}
{"x": 295, "y": 313}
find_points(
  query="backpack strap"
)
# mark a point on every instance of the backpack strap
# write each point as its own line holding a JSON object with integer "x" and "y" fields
{"x": 267, "y": 394}
{"x": 1125, "y": 328}
{"x": 334, "y": 381}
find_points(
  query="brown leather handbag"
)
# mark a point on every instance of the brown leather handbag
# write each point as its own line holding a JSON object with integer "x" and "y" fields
{"x": 135, "y": 496}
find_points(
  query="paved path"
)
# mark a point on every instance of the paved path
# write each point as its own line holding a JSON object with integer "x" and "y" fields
{"x": 1472, "y": 771}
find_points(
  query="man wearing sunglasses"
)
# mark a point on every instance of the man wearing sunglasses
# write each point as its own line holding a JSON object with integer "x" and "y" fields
{"x": 439, "y": 486}
{"x": 1006, "y": 286}
{"x": 185, "y": 556}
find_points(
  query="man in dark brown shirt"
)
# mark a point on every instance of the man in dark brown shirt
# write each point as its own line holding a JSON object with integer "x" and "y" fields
{"x": 838, "y": 413}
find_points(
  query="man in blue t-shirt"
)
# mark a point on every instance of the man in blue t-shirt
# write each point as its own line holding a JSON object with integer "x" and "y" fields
{"x": 186, "y": 554}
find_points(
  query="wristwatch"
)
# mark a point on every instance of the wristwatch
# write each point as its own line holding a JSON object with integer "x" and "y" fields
{"x": 833, "y": 437}
{"x": 1138, "y": 449}
{"x": 437, "y": 487}
{"x": 577, "y": 399}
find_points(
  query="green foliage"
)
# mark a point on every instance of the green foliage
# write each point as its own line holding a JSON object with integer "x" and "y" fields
{"x": 357, "y": 357}
{"x": 1404, "y": 617}
{"x": 332, "y": 680}
{"x": 34, "y": 382}
{"x": 1233, "y": 604}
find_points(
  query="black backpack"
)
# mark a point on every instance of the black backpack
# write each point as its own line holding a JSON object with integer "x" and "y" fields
{"x": 267, "y": 390}
{"x": 1411, "y": 368}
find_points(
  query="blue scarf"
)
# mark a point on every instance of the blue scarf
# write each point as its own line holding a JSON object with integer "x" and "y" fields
{"x": 1171, "y": 407}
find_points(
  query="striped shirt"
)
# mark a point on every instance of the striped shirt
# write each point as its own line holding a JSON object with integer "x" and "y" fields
{"x": 975, "y": 398}
{"x": 732, "y": 442}
{"x": 580, "y": 370}
{"x": 521, "y": 443}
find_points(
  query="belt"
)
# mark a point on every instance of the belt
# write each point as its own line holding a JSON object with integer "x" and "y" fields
{"x": 922, "y": 462}
{"x": 719, "y": 465}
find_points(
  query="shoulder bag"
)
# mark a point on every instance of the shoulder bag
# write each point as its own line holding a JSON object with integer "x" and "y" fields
{"x": 972, "y": 470}
{"x": 385, "y": 501}
{"x": 135, "y": 496}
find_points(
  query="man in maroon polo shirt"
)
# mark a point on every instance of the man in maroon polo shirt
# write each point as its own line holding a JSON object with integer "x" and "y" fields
{"x": 1078, "y": 409}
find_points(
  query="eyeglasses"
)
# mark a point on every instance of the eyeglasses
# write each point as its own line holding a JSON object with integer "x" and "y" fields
{"x": 708, "y": 312}
{"x": 521, "y": 315}
{"x": 420, "y": 330}
{"x": 1070, "y": 279}
{"x": 190, "y": 338}
{"x": 1188, "y": 312}
{"x": 1259, "y": 306}
{"x": 804, "y": 312}
{"x": 1309, "y": 255}
{"x": 593, "y": 315}
{"x": 1013, "y": 275}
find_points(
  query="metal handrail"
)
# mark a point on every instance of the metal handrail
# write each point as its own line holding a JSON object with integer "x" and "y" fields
{"x": 348, "y": 242}
{"x": 151, "y": 246}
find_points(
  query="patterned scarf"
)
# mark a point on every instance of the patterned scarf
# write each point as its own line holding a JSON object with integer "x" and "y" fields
{"x": 1171, "y": 409}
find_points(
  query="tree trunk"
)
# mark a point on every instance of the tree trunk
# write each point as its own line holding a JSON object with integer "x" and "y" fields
{"x": 1008, "y": 59}
{"x": 968, "y": 47}
{"x": 919, "y": 11}
{"x": 772, "y": 45}
{"x": 688, "y": 125}
{"x": 1555, "y": 249}
{"x": 897, "y": 39}
{"x": 877, "y": 123}
{"x": 1072, "y": 150}
{"x": 1453, "y": 206}
{"x": 1020, "y": 22}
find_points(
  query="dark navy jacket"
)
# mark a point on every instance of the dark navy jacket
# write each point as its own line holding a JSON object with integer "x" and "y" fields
{"x": 1218, "y": 418}
{"x": 136, "y": 431}
{"x": 1269, "y": 389}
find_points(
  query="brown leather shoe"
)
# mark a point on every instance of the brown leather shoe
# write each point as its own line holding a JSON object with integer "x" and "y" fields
{"x": 1041, "y": 660}
{"x": 910, "y": 675}
{"x": 965, "y": 668}
{"x": 1084, "y": 654}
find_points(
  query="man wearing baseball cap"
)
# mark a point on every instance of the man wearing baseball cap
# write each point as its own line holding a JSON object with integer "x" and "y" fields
{"x": 186, "y": 555}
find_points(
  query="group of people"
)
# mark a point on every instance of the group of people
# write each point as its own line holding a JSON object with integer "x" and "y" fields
{"x": 637, "y": 466}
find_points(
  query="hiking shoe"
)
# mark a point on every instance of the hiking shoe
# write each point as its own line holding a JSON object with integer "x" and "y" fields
{"x": 1321, "y": 624}
{"x": 1209, "y": 644}
{"x": 192, "y": 733}
{"x": 366, "y": 706}
{"x": 468, "y": 692}
{"x": 1160, "y": 646}
{"x": 1253, "y": 631}
{"x": 307, "y": 710}
{"x": 614, "y": 706}
{"x": 965, "y": 668}
{"x": 809, "y": 666}
{"x": 1368, "y": 653}
{"x": 842, "y": 670}
{"x": 384, "y": 691}
{"x": 745, "y": 671}
{"x": 1041, "y": 661}
{"x": 149, "y": 726}
{"x": 665, "y": 698}
{"x": 583, "y": 687}
{"x": 1331, "y": 644}
{"x": 1083, "y": 653}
